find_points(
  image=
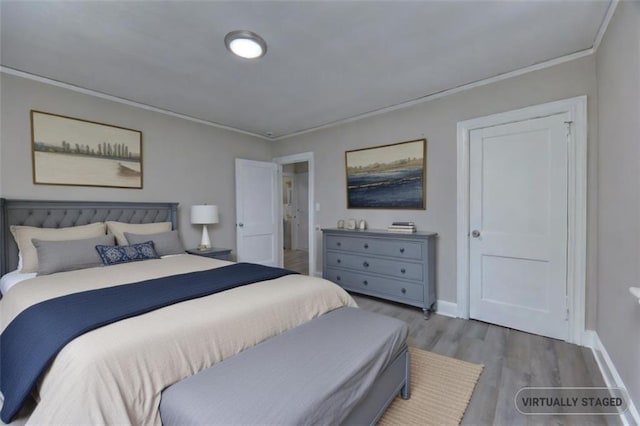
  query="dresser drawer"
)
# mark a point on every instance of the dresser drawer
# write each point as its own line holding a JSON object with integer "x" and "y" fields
{"x": 376, "y": 285}
{"x": 400, "y": 269}
{"x": 381, "y": 247}
{"x": 383, "y": 264}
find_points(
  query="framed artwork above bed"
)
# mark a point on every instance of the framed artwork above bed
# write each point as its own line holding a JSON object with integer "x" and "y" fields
{"x": 72, "y": 151}
{"x": 387, "y": 177}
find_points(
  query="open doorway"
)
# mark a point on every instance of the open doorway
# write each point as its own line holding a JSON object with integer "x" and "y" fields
{"x": 297, "y": 213}
{"x": 295, "y": 216}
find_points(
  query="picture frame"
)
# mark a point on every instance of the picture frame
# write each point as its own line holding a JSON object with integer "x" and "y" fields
{"x": 76, "y": 152}
{"x": 388, "y": 176}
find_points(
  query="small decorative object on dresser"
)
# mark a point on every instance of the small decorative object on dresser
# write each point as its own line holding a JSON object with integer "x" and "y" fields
{"x": 213, "y": 252}
{"x": 350, "y": 224}
{"x": 398, "y": 267}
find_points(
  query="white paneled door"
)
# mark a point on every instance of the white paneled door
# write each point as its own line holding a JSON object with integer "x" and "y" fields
{"x": 518, "y": 225}
{"x": 257, "y": 213}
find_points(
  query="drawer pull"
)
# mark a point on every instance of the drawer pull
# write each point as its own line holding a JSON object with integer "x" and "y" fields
{"x": 365, "y": 282}
{"x": 365, "y": 264}
{"x": 402, "y": 250}
{"x": 338, "y": 278}
{"x": 404, "y": 290}
{"x": 338, "y": 243}
{"x": 403, "y": 270}
{"x": 366, "y": 246}
{"x": 339, "y": 261}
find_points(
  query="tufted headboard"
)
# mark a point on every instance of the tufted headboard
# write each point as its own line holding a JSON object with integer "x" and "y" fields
{"x": 60, "y": 214}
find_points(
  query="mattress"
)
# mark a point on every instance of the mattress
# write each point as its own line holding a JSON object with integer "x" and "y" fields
{"x": 115, "y": 374}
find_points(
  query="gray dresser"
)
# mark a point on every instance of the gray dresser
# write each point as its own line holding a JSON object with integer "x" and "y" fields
{"x": 393, "y": 266}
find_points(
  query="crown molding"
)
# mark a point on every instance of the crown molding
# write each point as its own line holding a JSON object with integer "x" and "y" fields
{"x": 448, "y": 92}
{"x": 605, "y": 24}
{"x": 546, "y": 64}
{"x": 78, "y": 89}
{"x": 430, "y": 97}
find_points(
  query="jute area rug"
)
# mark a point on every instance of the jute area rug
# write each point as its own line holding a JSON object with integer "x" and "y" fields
{"x": 441, "y": 389}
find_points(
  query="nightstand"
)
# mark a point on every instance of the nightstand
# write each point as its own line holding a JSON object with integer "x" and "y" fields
{"x": 213, "y": 252}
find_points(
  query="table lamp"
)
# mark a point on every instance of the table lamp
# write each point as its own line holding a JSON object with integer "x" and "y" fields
{"x": 204, "y": 215}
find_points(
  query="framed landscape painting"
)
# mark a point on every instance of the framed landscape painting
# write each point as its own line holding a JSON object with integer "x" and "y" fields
{"x": 387, "y": 177}
{"x": 71, "y": 151}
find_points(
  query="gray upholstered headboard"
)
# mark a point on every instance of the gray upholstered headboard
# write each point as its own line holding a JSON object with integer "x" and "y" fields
{"x": 60, "y": 214}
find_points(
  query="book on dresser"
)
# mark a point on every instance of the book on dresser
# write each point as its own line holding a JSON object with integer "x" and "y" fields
{"x": 395, "y": 266}
{"x": 409, "y": 227}
{"x": 412, "y": 224}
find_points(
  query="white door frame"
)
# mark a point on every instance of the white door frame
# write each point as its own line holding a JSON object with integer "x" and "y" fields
{"x": 300, "y": 158}
{"x": 576, "y": 108}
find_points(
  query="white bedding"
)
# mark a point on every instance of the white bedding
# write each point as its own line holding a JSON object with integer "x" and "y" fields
{"x": 12, "y": 278}
{"x": 115, "y": 374}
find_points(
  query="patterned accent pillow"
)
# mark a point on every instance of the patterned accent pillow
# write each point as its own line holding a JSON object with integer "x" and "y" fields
{"x": 112, "y": 255}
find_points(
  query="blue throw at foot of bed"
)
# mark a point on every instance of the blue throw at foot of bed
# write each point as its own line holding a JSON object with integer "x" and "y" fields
{"x": 36, "y": 335}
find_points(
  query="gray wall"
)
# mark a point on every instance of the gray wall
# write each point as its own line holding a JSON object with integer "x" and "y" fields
{"x": 436, "y": 121}
{"x": 618, "y": 71}
{"x": 186, "y": 162}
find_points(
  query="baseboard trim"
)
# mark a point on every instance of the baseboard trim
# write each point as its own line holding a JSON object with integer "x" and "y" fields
{"x": 587, "y": 339}
{"x": 611, "y": 376}
{"x": 448, "y": 309}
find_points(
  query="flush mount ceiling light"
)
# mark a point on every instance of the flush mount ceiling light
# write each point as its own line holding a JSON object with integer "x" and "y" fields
{"x": 245, "y": 44}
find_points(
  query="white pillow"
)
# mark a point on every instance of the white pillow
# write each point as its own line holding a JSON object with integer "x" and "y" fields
{"x": 119, "y": 228}
{"x": 24, "y": 234}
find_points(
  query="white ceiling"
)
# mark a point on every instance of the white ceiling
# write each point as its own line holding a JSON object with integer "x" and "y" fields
{"x": 326, "y": 61}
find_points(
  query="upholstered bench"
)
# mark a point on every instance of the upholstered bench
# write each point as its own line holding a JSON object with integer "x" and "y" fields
{"x": 343, "y": 367}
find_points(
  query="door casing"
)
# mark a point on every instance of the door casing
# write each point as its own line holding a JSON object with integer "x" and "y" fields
{"x": 576, "y": 109}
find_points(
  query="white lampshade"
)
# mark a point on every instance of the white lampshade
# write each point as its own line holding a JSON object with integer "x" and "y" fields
{"x": 204, "y": 214}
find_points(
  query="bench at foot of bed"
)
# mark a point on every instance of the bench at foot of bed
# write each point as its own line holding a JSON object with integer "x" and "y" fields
{"x": 343, "y": 367}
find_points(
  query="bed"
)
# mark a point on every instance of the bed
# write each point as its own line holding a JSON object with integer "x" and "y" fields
{"x": 115, "y": 374}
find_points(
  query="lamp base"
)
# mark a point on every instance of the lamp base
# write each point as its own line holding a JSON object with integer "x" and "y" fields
{"x": 205, "y": 242}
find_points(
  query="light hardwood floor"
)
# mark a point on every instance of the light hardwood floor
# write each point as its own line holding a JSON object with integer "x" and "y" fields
{"x": 512, "y": 359}
{"x": 297, "y": 260}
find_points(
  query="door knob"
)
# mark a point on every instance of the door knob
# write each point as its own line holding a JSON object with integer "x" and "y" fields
{"x": 475, "y": 233}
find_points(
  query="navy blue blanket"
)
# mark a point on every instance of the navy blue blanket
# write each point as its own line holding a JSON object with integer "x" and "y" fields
{"x": 37, "y": 334}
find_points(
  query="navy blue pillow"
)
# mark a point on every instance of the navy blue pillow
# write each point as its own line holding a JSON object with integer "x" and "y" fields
{"x": 112, "y": 255}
